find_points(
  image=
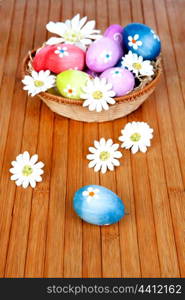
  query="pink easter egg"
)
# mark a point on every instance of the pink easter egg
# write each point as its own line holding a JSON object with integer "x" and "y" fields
{"x": 58, "y": 58}
{"x": 122, "y": 80}
{"x": 103, "y": 54}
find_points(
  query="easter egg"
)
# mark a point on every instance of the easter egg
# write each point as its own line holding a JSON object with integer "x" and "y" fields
{"x": 98, "y": 205}
{"x": 114, "y": 32}
{"x": 122, "y": 80}
{"x": 103, "y": 54}
{"x": 58, "y": 58}
{"x": 142, "y": 40}
{"x": 70, "y": 83}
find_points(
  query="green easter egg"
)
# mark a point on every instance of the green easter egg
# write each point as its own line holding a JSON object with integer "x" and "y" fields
{"x": 71, "y": 82}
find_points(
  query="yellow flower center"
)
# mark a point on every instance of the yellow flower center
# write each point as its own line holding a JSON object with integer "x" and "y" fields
{"x": 97, "y": 95}
{"x": 27, "y": 170}
{"x": 135, "y": 137}
{"x": 72, "y": 36}
{"x": 38, "y": 83}
{"x": 137, "y": 66}
{"x": 104, "y": 155}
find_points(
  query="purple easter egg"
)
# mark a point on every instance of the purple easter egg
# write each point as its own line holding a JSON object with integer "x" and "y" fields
{"x": 122, "y": 80}
{"x": 115, "y": 32}
{"x": 103, "y": 54}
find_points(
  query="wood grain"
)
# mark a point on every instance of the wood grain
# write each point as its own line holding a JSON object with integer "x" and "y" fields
{"x": 40, "y": 234}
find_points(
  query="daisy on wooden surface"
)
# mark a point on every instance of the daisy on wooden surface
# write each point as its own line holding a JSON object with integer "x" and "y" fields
{"x": 38, "y": 82}
{"x": 104, "y": 155}
{"x": 73, "y": 31}
{"x": 98, "y": 94}
{"x": 26, "y": 170}
{"x": 137, "y": 136}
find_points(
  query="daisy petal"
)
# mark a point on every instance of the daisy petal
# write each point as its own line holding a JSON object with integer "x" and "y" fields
{"x": 25, "y": 183}
{"x": 97, "y": 167}
{"x": 92, "y": 164}
{"x": 34, "y": 159}
{"x": 32, "y": 183}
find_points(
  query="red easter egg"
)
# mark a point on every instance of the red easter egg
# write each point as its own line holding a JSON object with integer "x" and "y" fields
{"x": 58, "y": 58}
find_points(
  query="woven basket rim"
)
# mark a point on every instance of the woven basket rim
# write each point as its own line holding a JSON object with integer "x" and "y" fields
{"x": 127, "y": 98}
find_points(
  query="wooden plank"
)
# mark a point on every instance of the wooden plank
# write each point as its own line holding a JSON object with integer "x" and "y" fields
{"x": 91, "y": 246}
{"x": 40, "y": 201}
{"x": 109, "y": 234}
{"x": 174, "y": 11}
{"x": 73, "y": 225}
{"x": 174, "y": 182}
{"x": 6, "y": 203}
{"x": 127, "y": 227}
{"x": 56, "y": 217}
{"x": 9, "y": 73}
{"x": 143, "y": 201}
{"x": 35, "y": 256}
{"x": 6, "y": 12}
{"x": 173, "y": 85}
{"x": 22, "y": 202}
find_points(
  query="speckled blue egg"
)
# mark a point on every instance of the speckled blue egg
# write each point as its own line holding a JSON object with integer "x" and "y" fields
{"x": 142, "y": 40}
{"x": 98, "y": 205}
{"x": 103, "y": 54}
{"x": 122, "y": 80}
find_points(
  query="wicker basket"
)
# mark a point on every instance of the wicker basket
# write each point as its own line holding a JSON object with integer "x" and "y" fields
{"x": 73, "y": 109}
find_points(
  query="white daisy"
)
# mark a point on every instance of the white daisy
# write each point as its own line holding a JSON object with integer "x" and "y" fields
{"x": 104, "y": 155}
{"x": 38, "y": 82}
{"x": 98, "y": 94}
{"x": 137, "y": 136}
{"x": 91, "y": 193}
{"x": 134, "y": 42}
{"x": 73, "y": 31}
{"x": 70, "y": 91}
{"x": 156, "y": 37}
{"x": 26, "y": 170}
{"x": 106, "y": 56}
{"x": 116, "y": 73}
{"x": 62, "y": 51}
{"x": 137, "y": 65}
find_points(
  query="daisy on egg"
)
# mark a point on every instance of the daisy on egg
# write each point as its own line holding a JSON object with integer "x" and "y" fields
{"x": 90, "y": 193}
{"x": 70, "y": 91}
{"x": 106, "y": 56}
{"x": 134, "y": 41}
{"x": 104, "y": 155}
{"x": 62, "y": 51}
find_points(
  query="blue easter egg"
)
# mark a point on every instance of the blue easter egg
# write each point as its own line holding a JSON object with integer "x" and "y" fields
{"x": 98, "y": 205}
{"x": 142, "y": 40}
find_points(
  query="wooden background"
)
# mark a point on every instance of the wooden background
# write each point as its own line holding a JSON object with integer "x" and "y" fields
{"x": 40, "y": 235}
